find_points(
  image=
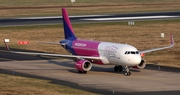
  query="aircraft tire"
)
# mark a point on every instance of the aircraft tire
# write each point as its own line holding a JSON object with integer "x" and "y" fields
{"x": 120, "y": 68}
{"x": 127, "y": 73}
{"x": 116, "y": 68}
{"x": 80, "y": 71}
{"x": 84, "y": 72}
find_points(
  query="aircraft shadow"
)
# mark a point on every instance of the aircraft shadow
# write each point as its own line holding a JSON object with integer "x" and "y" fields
{"x": 90, "y": 89}
{"x": 162, "y": 68}
{"x": 7, "y": 56}
{"x": 62, "y": 82}
{"x": 111, "y": 69}
{"x": 94, "y": 68}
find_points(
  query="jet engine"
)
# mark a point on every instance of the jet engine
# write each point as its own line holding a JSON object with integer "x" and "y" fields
{"x": 83, "y": 65}
{"x": 141, "y": 65}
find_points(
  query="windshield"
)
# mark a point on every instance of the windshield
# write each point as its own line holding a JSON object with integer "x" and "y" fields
{"x": 131, "y": 52}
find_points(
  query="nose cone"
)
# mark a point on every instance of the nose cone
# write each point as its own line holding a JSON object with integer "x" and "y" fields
{"x": 136, "y": 59}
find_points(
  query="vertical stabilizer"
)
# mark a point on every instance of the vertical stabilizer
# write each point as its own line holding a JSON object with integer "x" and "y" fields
{"x": 68, "y": 31}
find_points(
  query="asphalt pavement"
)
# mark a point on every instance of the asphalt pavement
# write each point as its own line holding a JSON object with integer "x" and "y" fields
{"x": 101, "y": 79}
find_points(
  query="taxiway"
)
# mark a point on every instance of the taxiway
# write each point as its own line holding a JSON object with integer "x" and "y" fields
{"x": 101, "y": 79}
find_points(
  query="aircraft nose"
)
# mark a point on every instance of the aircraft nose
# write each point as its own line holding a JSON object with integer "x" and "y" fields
{"x": 135, "y": 60}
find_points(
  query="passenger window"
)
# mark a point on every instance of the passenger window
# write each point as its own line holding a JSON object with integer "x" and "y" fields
{"x": 128, "y": 52}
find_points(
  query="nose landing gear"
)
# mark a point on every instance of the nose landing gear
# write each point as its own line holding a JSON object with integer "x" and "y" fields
{"x": 127, "y": 73}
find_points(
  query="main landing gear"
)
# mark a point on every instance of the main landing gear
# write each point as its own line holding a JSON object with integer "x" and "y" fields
{"x": 119, "y": 68}
{"x": 83, "y": 72}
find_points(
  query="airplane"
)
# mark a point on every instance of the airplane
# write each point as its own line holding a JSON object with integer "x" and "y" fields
{"x": 85, "y": 53}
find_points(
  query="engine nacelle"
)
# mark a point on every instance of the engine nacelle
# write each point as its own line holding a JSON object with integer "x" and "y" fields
{"x": 141, "y": 65}
{"x": 83, "y": 65}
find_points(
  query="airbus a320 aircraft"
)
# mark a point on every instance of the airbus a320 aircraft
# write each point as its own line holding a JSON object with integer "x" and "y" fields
{"x": 86, "y": 52}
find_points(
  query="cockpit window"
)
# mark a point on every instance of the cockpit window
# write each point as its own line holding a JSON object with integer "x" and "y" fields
{"x": 125, "y": 52}
{"x": 131, "y": 52}
{"x": 137, "y": 52}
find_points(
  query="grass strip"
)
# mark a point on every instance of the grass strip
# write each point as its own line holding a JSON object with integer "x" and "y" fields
{"x": 143, "y": 35}
{"x": 13, "y": 85}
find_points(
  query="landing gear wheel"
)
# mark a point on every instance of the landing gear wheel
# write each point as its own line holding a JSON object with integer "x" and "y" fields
{"x": 85, "y": 72}
{"x": 127, "y": 73}
{"x": 116, "y": 68}
{"x": 82, "y": 72}
{"x": 120, "y": 68}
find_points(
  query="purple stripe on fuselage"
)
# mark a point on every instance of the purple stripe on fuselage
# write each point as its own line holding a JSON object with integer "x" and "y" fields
{"x": 66, "y": 18}
{"x": 86, "y": 47}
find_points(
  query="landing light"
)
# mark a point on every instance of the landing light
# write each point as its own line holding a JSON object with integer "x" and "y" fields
{"x": 142, "y": 54}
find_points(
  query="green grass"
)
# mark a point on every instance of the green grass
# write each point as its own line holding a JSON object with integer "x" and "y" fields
{"x": 143, "y": 35}
{"x": 84, "y": 7}
{"x": 16, "y": 85}
{"x": 52, "y": 2}
{"x": 17, "y": 28}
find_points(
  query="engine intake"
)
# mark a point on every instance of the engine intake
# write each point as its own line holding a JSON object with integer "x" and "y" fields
{"x": 83, "y": 65}
{"x": 141, "y": 65}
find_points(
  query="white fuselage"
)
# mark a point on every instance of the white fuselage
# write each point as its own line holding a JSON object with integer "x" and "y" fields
{"x": 119, "y": 54}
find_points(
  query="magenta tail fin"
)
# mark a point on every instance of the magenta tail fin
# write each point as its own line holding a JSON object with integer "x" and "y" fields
{"x": 68, "y": 31}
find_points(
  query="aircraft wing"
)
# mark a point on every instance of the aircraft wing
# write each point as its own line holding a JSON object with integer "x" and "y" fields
{"x": 156, "y": 49}
{"x": 55, "y": 55}
{"x": 55, "y": 43}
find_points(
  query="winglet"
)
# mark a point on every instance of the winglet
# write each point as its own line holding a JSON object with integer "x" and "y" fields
{"x": 6, "y": 44}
